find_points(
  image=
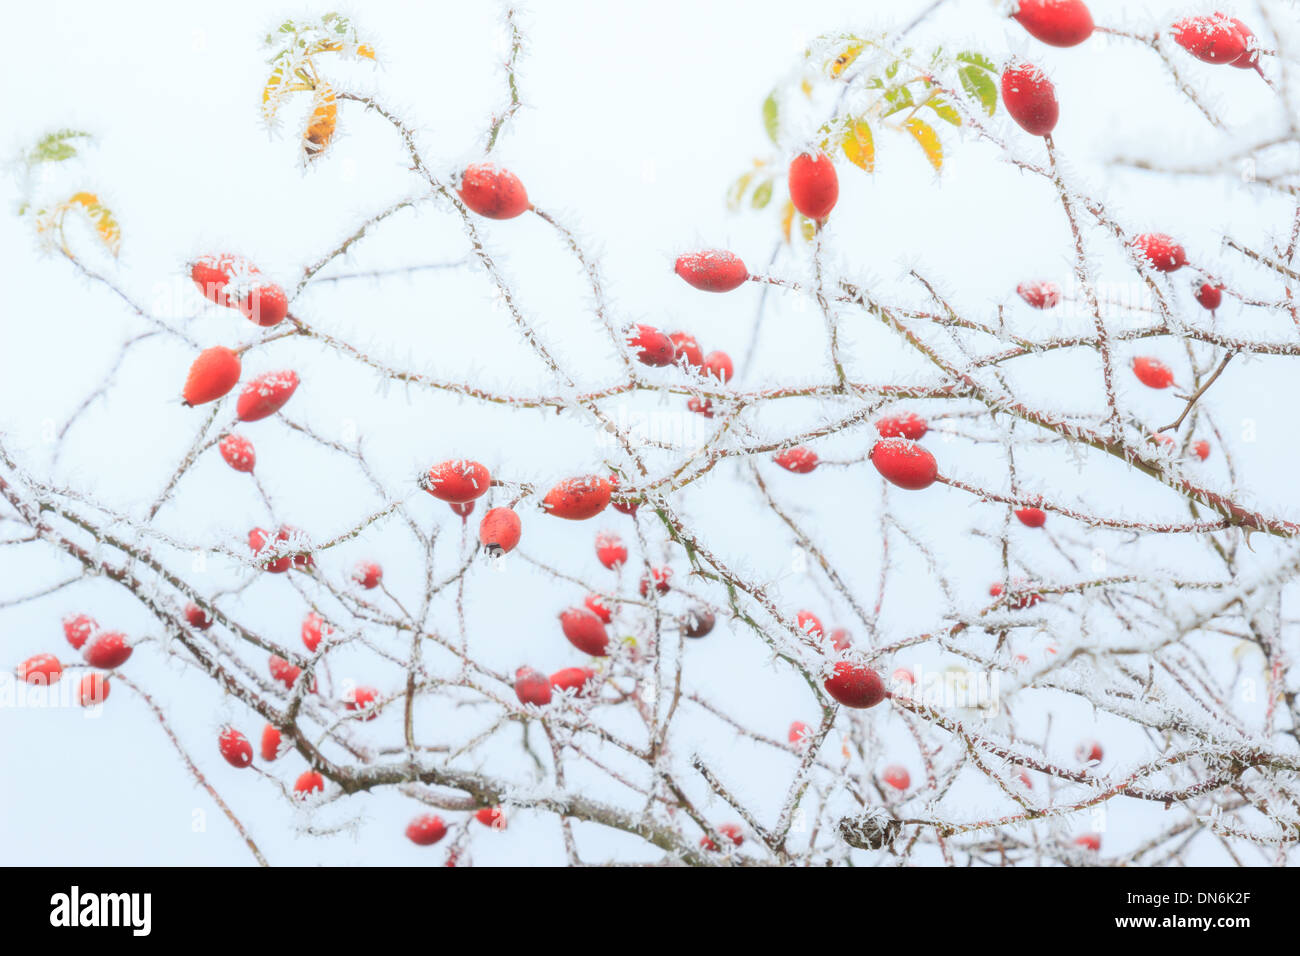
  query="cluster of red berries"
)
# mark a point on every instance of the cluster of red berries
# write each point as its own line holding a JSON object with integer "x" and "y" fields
{"x": 100, "y": 649}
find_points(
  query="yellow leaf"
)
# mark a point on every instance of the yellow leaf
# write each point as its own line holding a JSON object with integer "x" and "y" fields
{"x": 787, "y": 220}
{"x": 277, "y": 89}
{"x": 807, "y": 87}
{"x": 321, "y": 124}
{"x": 924, "y": 134}
{"x": 366, "y": 51}
{"x": 97, "y": 214}
{"x": 845, "y": 60}
{"x": 859, "y": 147}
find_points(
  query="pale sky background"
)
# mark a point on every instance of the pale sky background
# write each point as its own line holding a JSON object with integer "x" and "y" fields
{"x": 636, "y": 119}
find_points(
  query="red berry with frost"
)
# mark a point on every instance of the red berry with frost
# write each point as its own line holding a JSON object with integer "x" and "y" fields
{"x": 283, "y": 671}
{"x": 196, "y": 617}
{"x": 1089, "y": 841}
{"x": 260, "y": 540}
{"x": 313, "y": 629}
{"x": 1032, "y": 517}
{"x": 458, "y": 480}
{"x": 462, "y": 509}
{"x": 493, "y": 192}
{"x": 855, "y": 685}
{"x": 368, "y": 574}
{"x": 908, "y": 425}
{"x": 271, "y": 742}
{"x": 92, "y": 690}
{"x": 661, "y": 578}
{"x": 264, "y": 304}
{"x": 577, "y": 499}
{"x": 841, "y": 640}
{"x": 1040, "y": 295}
{"x": 532, "y": 687}
{"x": 499, "y": 531}
{"x": 1056, "y": 22}
{"x": 1020, "y": 598}
{"x": 426, "y": 830}
{"x": 814, "y": 186}
{"x": 576, "y": 679}
{"x": 897, "y": 777}
{"x": 212, "y": 375}
{"x": 798, "y": 733}
{"x": 212, "y": 273}
{"x": 731, "y": 831}
{"x": 902, "y": 676}
{"x": 1030, "y": 98}
{"x": 697, "y": 622}
{"x": 363, "y": 699}
{"x": 40, "y": 670}
{"x": 1152, "y": 373}
{"x": 621, "y": 503}
{"x": 107, "y": 651}
{"x": 1160, "y": 251}
{"x": 653, "y": 347}
{"x": 904, "y": 463}
{"x": 712, "y": 270}
{"x": 238, "y": 453}
{"x": 596, "y": 606}
{"x": 1213, "y": 38}
{"x": 808, "y": 623}
{"x": 1249, "y": 59}
{"x": 77, "y": 628}
{"x": 235, "y": 747}
{"x": 493, "y": 817}
{"x": 308, "y": 782}
{"x": 799, "y": 459}
{"x": 719, "y": 365}
{"x": 1202, "y": 449}
{"x": 1088, "y": 751}
{"x": 688, "y": 349}
{"x": 585, "y": 631}
{"x": 266, "y": 395}
{"x": 610, "y": 550}
{"x": 701, "y": 406}
{"x": 1209, "y": 295}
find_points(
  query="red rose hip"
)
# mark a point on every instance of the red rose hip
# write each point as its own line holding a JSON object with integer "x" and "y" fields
{"x": 1055, "y": 22}
{"x": 855, "y": 685}
{"x": 814, "y": 186}
{"x": 266, "y": 395}
{"x": 458, "y": 481}
{"x": 238, "y": 453}
{"x": 499, "y": 531}
{"x": 577, "y": 499}
{"x": 493, "y": 192}
{"x": 585, "y": 631}
{"x": 904, "y": 463}
{"x": 712, "y": 270}
{"x": 1030, "y": 98}
{"x": 214, "y": 373}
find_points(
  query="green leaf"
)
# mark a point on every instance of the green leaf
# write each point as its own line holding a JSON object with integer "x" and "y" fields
{"x": 898, "y": 98}
{"x": 977, "y": 59}
{"x": 944, "y": 110}
{"x": 737, "y": 191}
{"x": 772, "y": 117}
{"x": 762, "y": 195}
{"x": 892, "y": 70}
{"x": 56, "y": 147}
{"x": 980, "y": 86}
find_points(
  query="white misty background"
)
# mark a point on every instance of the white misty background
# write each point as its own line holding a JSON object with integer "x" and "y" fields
{"x": 636, "y": 119}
